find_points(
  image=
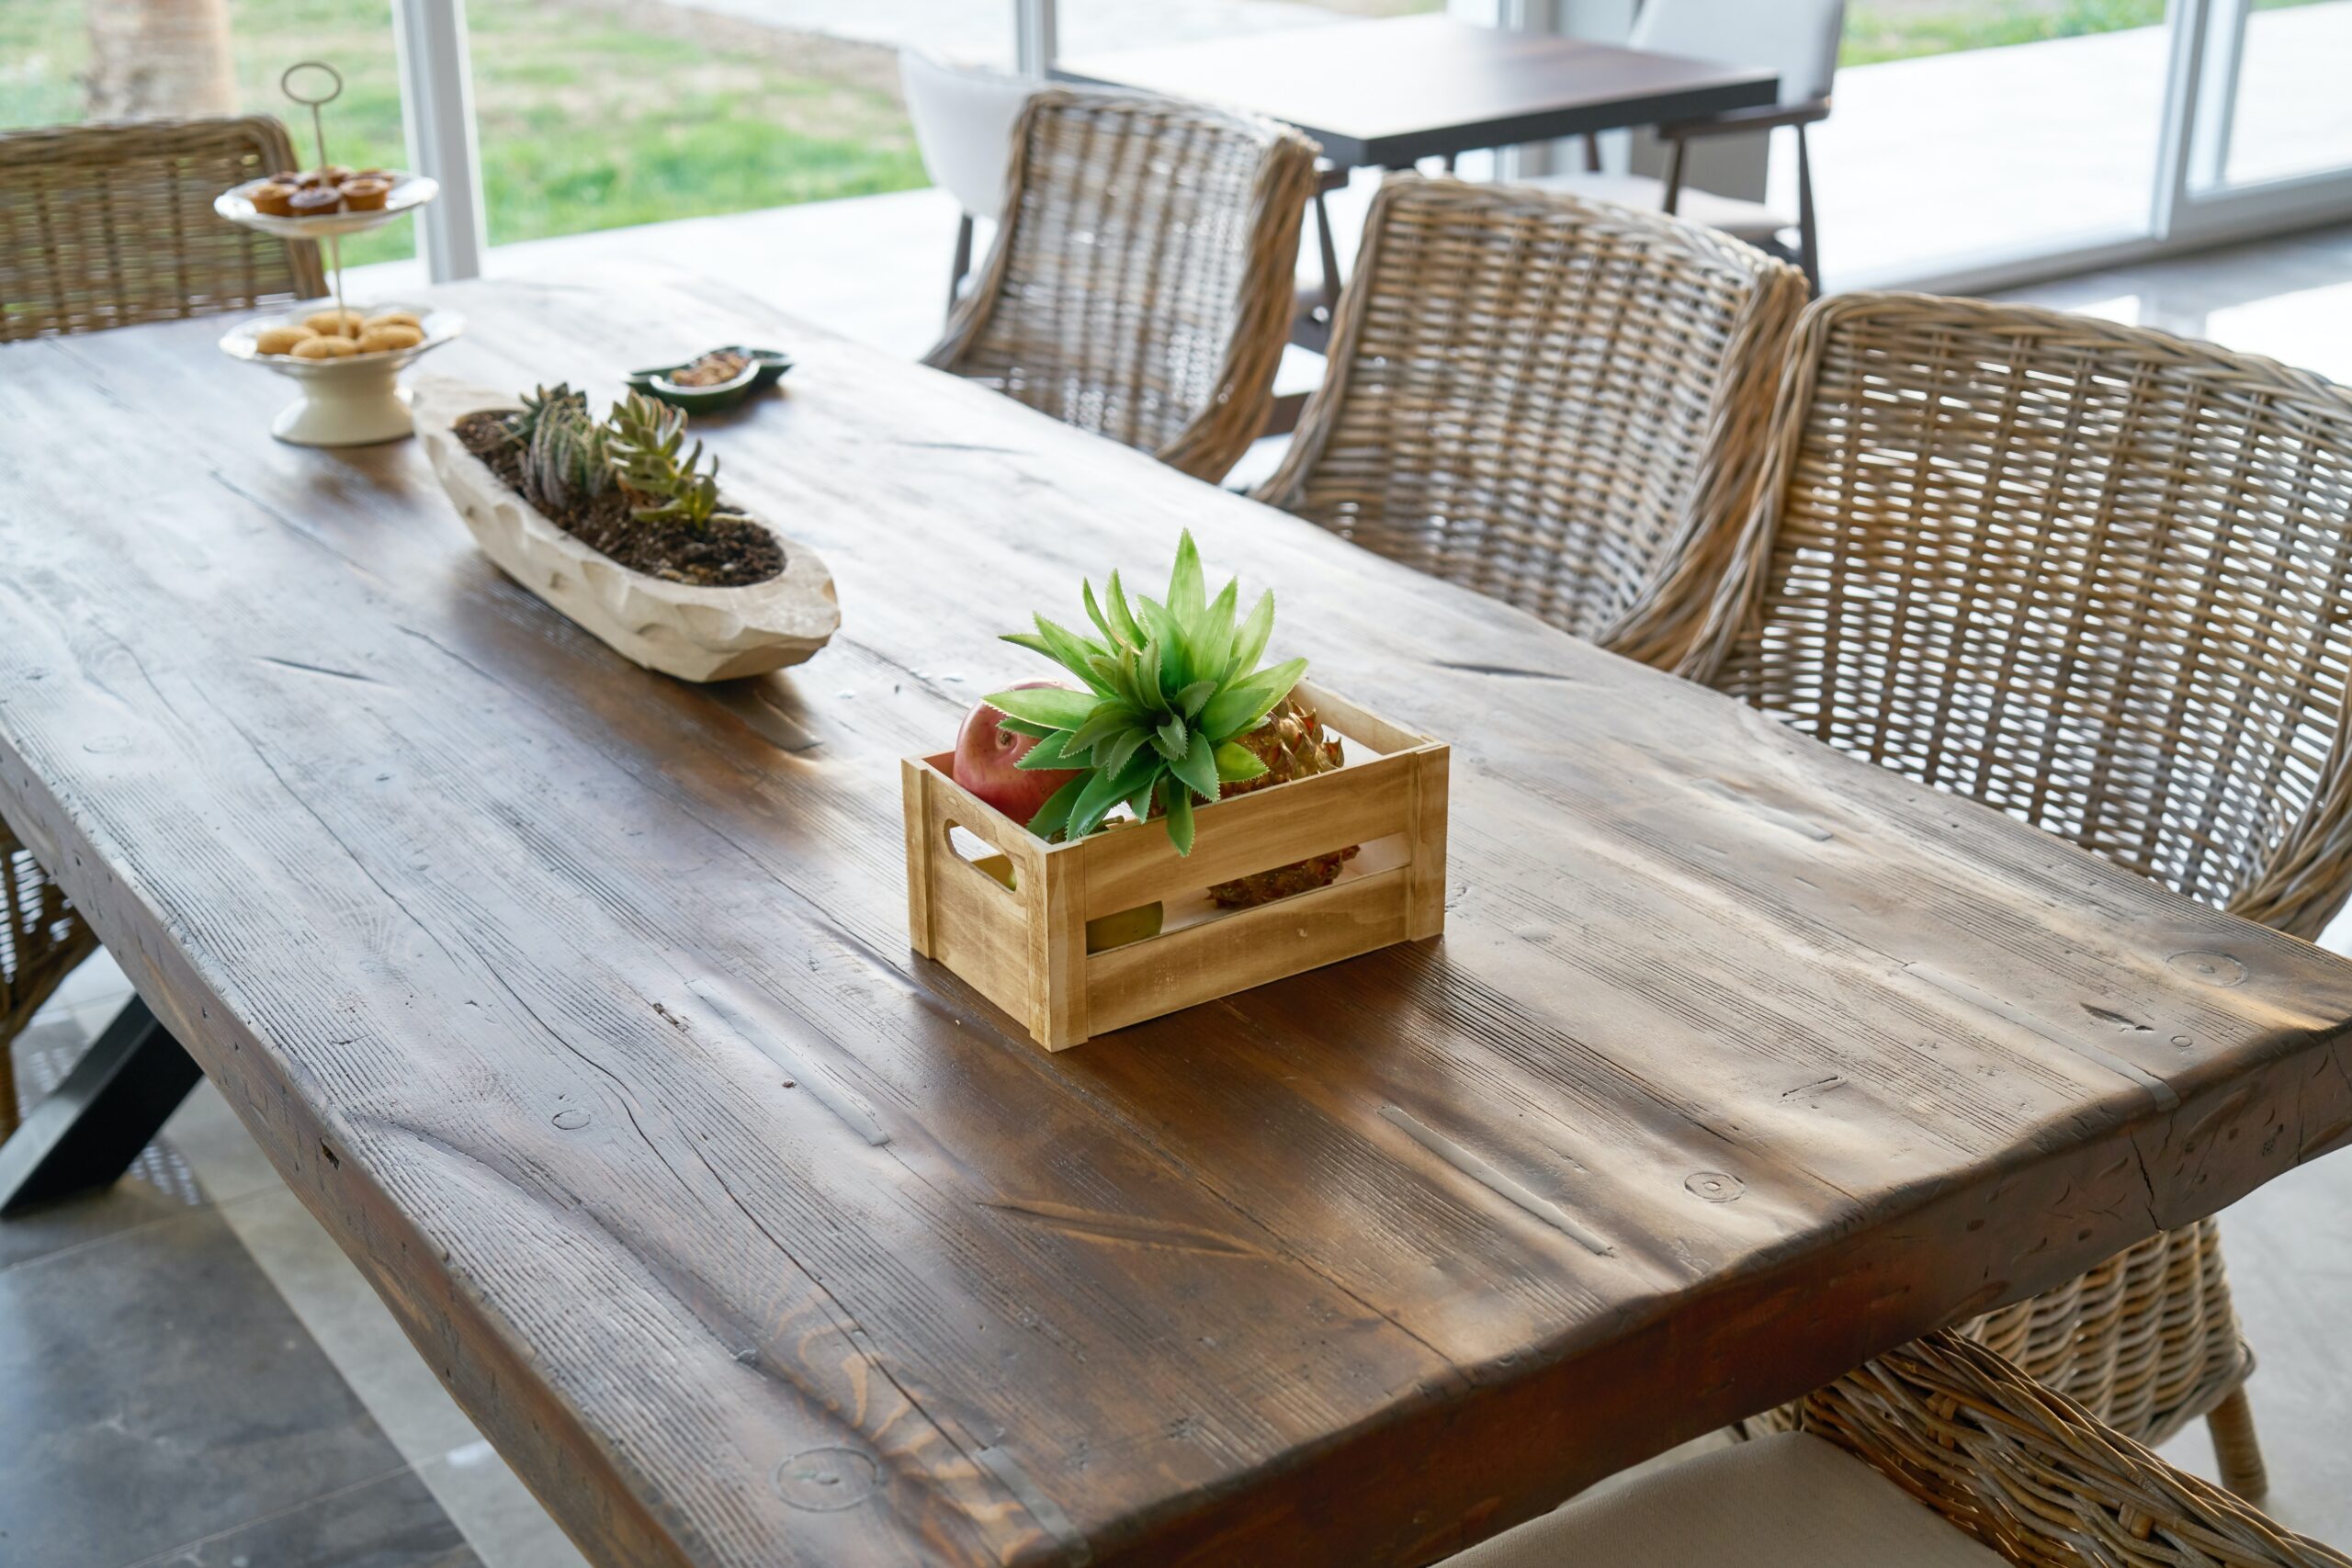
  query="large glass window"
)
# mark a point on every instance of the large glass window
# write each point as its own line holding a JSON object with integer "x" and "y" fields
{"x": 1102, "y": 27}
{"x": 596, "y": 115}
{"x": 1973, "y": 129}
{"x": 2294, "y": 110}
{"x": 593, "y": 114}
{"x": 64, "y": 62}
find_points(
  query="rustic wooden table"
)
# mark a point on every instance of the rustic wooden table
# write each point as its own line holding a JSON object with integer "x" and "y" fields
{"x": 578, "y": 1003}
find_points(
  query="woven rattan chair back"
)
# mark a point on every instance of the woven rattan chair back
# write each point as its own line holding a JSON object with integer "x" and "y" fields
{"x": 2034, "y": 1475}
{"x": 1558, "y": 403}
{"x": 2096, "y": 576}
{"x": 1140, "y": 285}
{"x": 2101, "y": 577}
{"x": 108, "y": 225}
{"x": 42, "y": 939}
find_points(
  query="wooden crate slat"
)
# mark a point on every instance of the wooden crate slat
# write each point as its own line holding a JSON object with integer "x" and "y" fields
{"x": 1249, "y": 833}
{"x": 1247, "y": 948}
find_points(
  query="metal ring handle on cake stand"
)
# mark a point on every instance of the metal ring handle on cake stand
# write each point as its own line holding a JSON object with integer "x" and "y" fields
{"x": 319, "y": 137}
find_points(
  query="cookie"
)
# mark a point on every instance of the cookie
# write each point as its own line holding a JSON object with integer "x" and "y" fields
{"x": 383, "y": 340}
{"x": 394, "y": 319}
{"x": 281, "y": 339}
{"x": 325, "y": 348}
{"x": 346, "y": 323}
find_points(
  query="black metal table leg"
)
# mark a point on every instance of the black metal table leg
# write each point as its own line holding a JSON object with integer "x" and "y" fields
{"x": 87, "y": 1133}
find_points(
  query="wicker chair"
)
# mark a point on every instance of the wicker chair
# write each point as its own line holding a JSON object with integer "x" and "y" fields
{"x": 41, "y": 942}
{"x": 1556, "y": 401}
{"x": 2033, "y": 1477}
{"x": 2099, "y": 578}
{"x": 1140, "y": 282}
{"x": 107, "y": 225}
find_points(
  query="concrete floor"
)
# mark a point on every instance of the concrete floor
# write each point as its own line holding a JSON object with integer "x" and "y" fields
{"x": 192, "y": 1373}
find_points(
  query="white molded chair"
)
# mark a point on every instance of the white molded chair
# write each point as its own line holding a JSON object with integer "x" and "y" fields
{"x": 1797, "y": 38}
{"x": 963, "y": 117}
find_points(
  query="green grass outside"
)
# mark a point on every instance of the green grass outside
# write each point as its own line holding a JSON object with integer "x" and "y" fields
{"x": 1881, "y": 31}
{"x": 586, "y": 121}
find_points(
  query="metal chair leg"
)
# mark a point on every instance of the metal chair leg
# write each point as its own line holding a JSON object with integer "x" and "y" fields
{"x": 963, "y": 261}
{"x": 1809, "y": 240}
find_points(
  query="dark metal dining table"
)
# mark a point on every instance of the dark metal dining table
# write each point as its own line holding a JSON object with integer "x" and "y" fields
{"x": 1387, "y": 94}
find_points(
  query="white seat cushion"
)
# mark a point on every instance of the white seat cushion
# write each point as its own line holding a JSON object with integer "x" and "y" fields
{"x": 1792, "y": 1499}
{"x": 1748, "y": 221}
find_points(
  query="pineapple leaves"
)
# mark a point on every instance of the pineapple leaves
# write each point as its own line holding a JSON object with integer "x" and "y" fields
{"x": 1250, "y": 645}
{"x": 1054, "y": 816}
{"x": 1122, "y": 621}
{"x": 1185, "y": 592}
{"x": 1237, "y": 763}
{"x": 1055, "y": 751}
{"x": 1243, "y": 703}
{"x": 1052, "y": 706}
{"x": 1102, "y": 790}
{"x": 1169, "y": 685}
{"x": 1179, "y": 821}
{"x": 1197, "y": 768}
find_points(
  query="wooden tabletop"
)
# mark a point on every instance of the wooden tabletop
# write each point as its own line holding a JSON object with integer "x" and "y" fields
{"x": 578, "y": 1002}
{"x": 1385, "y": 93}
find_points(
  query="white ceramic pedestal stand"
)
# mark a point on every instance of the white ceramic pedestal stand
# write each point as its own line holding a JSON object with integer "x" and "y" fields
{"x": 355, "y": 399}
{"x": 351, "y": 401}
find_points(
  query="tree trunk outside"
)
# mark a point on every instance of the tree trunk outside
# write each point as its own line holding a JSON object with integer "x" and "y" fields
{"x": 158, "y": 59}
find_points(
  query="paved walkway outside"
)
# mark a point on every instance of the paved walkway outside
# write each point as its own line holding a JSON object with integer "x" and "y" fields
{"x": 1927, "y": 163}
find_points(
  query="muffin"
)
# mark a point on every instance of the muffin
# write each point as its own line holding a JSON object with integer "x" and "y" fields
{"x": 315, "y": 201}
{"x": 366, "y": 195}
{"x": 325, "y": 348}
{"x": 332, "y": 173}
{"x": 281, "y": 339}
{"x": 385, "y": 340}
{"x": 383, "y": 175}
{"x": 275, "y": 198}
{"x": 334, "y": 323}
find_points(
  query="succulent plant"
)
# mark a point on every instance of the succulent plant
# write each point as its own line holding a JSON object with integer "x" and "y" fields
{"x": 643, "y": 446}
{"x": 1170, "y": 689}
{"x": 564, "y": 463}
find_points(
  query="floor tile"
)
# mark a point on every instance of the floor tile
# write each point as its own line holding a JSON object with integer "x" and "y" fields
{"x": 155, "y": 1389}
{"x": 391, "y": 1523}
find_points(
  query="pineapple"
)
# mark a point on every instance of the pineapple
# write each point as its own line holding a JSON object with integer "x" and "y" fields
{"x": 1293, "y": 744}
{"x": 1174, "y": 701}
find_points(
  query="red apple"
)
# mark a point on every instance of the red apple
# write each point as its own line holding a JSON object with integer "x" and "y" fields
{"x": 985, "y": 754}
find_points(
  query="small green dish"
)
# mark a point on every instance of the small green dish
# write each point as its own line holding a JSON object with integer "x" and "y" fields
{"x": 766, "y": 368}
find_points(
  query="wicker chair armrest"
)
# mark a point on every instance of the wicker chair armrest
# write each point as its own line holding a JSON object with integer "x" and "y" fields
{"x": 2032, "y": 1474}
{"x": 1769, "y": 117}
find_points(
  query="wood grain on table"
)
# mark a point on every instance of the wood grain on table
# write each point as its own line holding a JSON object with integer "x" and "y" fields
{"x": 578, "y": 1003}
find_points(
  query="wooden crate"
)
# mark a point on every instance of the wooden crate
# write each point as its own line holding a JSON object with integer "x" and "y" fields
{"x": 1025, "y": 947}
